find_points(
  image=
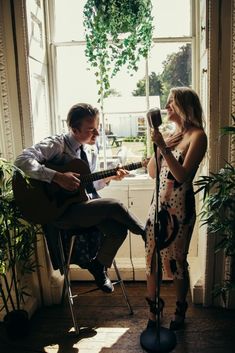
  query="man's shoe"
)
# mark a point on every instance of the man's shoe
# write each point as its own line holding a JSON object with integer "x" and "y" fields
{"x": 100, "y": 274}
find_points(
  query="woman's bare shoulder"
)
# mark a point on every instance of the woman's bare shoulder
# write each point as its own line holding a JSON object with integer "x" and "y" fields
{"x": 196, "y": 133}
{"x": 198, "y": 140}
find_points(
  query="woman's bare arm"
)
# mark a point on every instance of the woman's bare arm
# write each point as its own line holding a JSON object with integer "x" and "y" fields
{"x": 195, "y": 153}
{"x": 152, "y": 167}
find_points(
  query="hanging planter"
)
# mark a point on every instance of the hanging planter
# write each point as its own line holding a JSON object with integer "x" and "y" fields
{"x": 118, "y": 32}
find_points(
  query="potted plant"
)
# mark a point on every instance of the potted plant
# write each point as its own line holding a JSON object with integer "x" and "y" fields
{"x": 106, "y": 50}
{"x": 17, "y": 244}
{"x": 219, "y": 213}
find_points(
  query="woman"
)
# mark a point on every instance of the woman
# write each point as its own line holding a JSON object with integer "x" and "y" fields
{"x": 178, "y": 158}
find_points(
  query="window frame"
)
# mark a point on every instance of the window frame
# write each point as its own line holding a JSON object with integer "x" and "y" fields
{"x": 56, "y": 122}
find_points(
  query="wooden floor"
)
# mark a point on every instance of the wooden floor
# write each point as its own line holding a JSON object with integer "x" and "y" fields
{"x": 108, "y": 328}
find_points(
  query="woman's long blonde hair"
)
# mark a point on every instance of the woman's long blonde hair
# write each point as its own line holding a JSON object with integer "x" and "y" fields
{"x": 188, "y": 106}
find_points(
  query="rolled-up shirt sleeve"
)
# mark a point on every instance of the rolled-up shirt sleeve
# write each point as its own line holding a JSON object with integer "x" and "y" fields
{"x": 32, "y": 159}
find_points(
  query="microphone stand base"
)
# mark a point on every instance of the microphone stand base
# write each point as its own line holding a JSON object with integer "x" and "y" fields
{"x": 154, "y": 340}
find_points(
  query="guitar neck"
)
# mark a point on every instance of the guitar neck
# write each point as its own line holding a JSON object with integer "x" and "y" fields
{"x": 107, "y": 173}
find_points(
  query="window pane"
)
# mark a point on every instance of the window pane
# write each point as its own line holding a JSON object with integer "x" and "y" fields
{"x": 125, "y": 119}
{"x": 124, "y": 83}
{"x": 171, "y": 64}
{"x": 124, "y": 114}
{"x": 172, "y": 18}
{"x": 123, "y": 141}
{"x": 125, "y": 129}
{"x": 68, "y": 19}
{"x": 75, "y": 83}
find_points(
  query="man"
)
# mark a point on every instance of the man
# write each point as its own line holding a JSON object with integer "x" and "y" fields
{"x": 108, "y": 215}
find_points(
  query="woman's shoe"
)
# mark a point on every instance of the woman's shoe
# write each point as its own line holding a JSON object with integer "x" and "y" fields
{"x": 180, "y": 312}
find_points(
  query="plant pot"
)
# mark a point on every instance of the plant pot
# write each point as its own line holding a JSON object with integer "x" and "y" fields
{"x": 129, "y": 14}
{"x": 16, "y": 324}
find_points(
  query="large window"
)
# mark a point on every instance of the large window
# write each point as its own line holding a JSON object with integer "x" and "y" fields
{"x": 124, "y": 134}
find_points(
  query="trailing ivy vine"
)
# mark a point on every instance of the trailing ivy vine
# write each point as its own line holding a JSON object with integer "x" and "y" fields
{"x": 106, "y": 50}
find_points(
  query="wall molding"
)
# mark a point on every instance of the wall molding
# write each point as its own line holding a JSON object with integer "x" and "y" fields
{"x": 7, "y": 150}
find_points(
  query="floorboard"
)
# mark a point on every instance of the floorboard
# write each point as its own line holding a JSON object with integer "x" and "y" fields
{"x": 107, "y": 327}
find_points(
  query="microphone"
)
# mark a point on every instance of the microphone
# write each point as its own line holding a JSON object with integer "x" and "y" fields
{"x": 154, "y": 118}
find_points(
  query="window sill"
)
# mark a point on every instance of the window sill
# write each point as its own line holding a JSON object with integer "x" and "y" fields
{"x": 134, "y": 179}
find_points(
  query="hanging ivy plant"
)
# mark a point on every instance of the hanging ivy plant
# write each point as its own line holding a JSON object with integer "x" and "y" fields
{"x": 106, "y": 50}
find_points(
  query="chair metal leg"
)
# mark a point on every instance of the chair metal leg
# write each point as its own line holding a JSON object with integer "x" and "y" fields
{"x": 67, "y": 284}
{"x": 123, "y": 287}
{"x": 72, "y": 240}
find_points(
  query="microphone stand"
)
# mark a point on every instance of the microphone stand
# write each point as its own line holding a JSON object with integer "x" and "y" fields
{"x": 157, "y": 339}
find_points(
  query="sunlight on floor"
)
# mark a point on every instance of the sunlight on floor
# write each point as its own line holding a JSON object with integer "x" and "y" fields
{"x": 104, "y": 337}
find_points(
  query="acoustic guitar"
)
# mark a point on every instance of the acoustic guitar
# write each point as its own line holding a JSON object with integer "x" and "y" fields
{"x": 42, "y": 202}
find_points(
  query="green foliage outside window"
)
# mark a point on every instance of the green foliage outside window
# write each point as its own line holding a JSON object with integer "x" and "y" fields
{"x": 177, "y": 70}
{"x": 155, "y": 86}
